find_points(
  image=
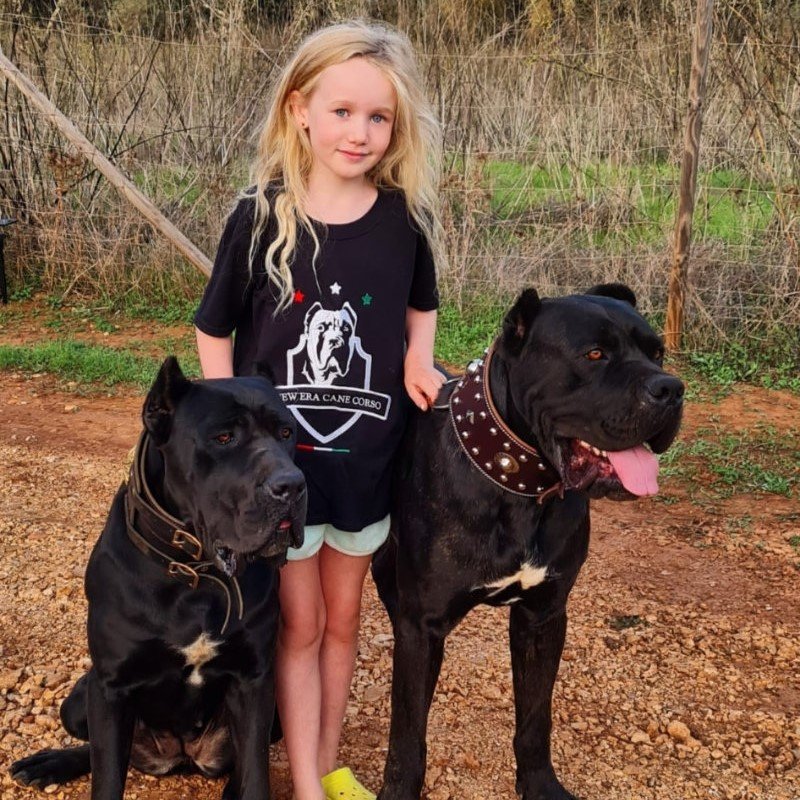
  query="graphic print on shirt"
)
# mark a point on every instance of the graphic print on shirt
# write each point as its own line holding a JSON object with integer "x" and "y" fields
{"x": 328, "y": 375}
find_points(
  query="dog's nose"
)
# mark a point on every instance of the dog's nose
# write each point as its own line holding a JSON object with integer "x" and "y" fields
{"x": 285, "y": 486}
{"x": 665, "y": 389}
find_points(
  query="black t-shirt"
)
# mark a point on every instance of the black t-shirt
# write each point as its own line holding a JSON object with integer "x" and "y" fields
{"x": 337, "y": 351}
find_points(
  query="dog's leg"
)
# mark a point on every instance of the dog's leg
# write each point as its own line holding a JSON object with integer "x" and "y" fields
{"x": 73, "y": 711}
{"x": 384, "y": 573}
{"x": 111, "y": 722}
{"x": 250, "y": 710}
{"x": 535, "y": 655}
{"x": 417, "y": 660}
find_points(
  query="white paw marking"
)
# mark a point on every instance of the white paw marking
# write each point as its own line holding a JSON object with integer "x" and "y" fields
{"x": 199, "y": 652}
{"x": 529, "y": 575}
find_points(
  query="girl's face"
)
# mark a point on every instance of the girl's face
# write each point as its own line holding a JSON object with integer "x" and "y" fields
{"x": 349, "y": 117}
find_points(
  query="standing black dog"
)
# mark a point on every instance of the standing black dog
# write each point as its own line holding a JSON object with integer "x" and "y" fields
{"x": 182, "y": 590}
{"x": 493, "y": 505}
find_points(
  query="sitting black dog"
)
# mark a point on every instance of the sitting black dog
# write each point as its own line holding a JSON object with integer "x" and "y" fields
{"x": 493, "y": 505}
{"x": 182, "y": 590}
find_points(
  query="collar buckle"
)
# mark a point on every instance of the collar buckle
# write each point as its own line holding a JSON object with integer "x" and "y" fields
{"x": 184, "y": 573}
{"x": 190, "y": 545}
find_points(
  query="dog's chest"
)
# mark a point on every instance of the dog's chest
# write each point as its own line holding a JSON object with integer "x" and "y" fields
{"x": 514, "y": 584}
{"x": 197, "y": 654}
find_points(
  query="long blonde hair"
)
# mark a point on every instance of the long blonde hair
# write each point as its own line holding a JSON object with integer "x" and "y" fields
{"x": 284, "y": 156}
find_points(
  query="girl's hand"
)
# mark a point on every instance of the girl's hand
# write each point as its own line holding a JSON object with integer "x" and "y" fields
{"x": 422, "y": 381}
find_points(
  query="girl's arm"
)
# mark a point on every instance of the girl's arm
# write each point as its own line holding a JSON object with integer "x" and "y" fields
{"x": 422, "y": 379}
{"x": 216, "y": 355}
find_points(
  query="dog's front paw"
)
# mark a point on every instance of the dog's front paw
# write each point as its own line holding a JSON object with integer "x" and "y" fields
{"x": 543, "y": 785}
{"x": 51, "y": 766}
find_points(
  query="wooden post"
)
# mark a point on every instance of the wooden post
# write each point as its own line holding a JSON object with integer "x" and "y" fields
{"x": 701, "y": 47}
{"x": 145, "y": 206}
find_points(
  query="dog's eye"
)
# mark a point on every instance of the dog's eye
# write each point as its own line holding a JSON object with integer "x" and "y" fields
{"x": 659, "y": 355}
{"x": 223, "y": 438}
{"x": 595, "y": 354}
{"x": 285, "y": 432}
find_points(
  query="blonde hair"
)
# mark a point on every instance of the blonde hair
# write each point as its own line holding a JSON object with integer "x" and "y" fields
{"x": 284, "y": 156}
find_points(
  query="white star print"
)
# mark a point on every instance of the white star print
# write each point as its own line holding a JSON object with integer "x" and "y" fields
{"x": 335, "y": 288}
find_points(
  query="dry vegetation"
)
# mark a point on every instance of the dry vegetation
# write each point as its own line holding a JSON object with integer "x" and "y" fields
{"x": 563, "y": 127}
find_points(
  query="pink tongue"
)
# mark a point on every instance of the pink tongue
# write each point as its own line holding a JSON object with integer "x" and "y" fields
{"x": 637, "y": 469}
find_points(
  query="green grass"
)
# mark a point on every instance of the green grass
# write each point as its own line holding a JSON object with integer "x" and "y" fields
{"x": 85, "y": 363}
{"x": 184, "y": 187}
{"x": 730, "y": 207}
{"x": 173, "y": 311}
{"x": 771, "y": 364}
{"x": 719, "y": 465}
{"x": 461, "y": 337}
{"x": 622, "y": 622}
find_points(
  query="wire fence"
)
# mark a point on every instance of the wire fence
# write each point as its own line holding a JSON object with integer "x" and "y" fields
{"x": 561, "y": 165}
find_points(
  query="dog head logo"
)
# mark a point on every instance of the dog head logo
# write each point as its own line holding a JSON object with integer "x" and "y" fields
{"x": 329, "y": 343}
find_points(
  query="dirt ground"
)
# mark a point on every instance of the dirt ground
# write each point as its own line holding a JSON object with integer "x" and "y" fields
{"x": 680, "y": 677}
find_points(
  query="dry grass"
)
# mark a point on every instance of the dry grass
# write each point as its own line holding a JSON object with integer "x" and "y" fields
{"x": 563, "y": 128}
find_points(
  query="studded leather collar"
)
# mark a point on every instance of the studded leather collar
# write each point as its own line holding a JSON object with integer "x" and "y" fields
{"x": 492, "y": 447}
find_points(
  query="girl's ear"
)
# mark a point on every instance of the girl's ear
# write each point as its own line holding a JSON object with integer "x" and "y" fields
{"x": 299, "y": 108}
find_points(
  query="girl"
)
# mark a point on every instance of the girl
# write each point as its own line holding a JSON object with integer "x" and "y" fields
{"x": 326, "y": 273}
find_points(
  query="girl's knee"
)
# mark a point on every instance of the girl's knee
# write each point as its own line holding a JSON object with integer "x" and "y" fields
{"x": 302, "y": 630}
{"x": 342, "y": 624}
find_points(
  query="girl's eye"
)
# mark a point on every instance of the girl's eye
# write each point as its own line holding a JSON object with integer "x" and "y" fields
{"x": 340, "y": 112}
{"x": 595, "y": 354}
{"x": 223, "y": 438}
{"x": 378, "y": 118}
{"x": 286, "y": 432}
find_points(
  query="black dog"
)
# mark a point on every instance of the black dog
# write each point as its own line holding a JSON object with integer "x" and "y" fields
{"x": 182, "y": 590}
{"x": 493, "y": 505}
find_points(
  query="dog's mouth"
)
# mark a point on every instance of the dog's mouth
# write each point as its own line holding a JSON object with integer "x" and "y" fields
{"x": 233, "y": 563}
{"x": 632, "y": 472}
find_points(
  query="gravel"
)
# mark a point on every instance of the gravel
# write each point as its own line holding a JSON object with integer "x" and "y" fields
{"x": 679, "y": 677}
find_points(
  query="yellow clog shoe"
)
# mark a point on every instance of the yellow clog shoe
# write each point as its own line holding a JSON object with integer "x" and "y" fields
{"x": 341, "y": 784}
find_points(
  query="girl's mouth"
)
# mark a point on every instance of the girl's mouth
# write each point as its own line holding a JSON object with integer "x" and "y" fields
{"x": 352, "y": 156}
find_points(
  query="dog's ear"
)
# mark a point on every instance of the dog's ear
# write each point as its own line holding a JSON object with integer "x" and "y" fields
{"x": 351, "y": 315}
{"x": 518, "y": 321}
{"x": 617, "y": 291}
{"x": 264, "y": 370}
{"x": 310, "y": 313}
{"x": 159, "y": 406}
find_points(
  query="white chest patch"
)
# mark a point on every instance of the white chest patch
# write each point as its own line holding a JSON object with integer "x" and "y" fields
{"x": 528, "y": 576}
{"x": 199, "y": 652}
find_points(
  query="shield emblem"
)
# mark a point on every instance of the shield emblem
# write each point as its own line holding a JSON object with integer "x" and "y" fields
{"x": 328, "y": 375}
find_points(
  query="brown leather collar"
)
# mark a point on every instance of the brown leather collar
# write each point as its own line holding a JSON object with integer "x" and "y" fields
{"x": 165, "y": 540}
{"x": 492, "y": 447}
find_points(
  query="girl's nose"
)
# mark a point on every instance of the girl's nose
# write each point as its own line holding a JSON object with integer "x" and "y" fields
{"x": 358, "y": 130}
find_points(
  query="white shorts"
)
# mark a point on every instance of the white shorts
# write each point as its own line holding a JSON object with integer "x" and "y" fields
{"x": 361, "y": 543}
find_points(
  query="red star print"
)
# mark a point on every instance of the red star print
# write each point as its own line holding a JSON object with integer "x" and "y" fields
{"x": 299, "y": 296}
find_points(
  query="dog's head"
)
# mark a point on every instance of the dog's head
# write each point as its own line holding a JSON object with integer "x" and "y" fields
{"x": 227, "y": 447}
{"x": 585, "y": 374}
{"x": 329, "y": 341}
